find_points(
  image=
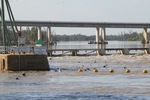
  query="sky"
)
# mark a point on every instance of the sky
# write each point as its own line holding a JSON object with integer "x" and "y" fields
{"x": 83, "y": 11}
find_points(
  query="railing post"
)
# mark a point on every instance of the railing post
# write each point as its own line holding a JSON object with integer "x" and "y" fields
{"x": 49, "y": 35}
{"x": 97, "y": 35}
{"x": 39, "y": 32}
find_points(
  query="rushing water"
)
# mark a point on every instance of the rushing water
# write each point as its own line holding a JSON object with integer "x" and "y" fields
{"x": 73, "y": 86}
{"x": 86, "y": 85}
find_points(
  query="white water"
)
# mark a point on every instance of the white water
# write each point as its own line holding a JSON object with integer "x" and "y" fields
{"x": 87, "y": 85}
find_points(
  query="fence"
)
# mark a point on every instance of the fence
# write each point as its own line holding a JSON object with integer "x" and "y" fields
{"x": 23, "y": 49}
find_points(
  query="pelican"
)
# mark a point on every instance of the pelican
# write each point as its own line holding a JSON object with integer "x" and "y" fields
{"x": 59, "y": 70}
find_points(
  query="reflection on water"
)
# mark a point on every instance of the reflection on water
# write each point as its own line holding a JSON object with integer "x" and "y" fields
{"x": 70, "y": 85}
{"x": 68, "y": 96}
{"x": 84, "y": 45}
{"x": 111, "y": 44}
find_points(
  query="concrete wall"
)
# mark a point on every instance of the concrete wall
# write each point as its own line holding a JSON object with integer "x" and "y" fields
{"x": 24, "y": 62}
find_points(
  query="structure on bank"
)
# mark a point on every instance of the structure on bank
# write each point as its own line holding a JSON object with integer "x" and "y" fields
{"x": 18, "y": 58}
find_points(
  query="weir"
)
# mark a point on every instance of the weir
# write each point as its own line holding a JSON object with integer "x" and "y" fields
{"x": 87, "y": 52}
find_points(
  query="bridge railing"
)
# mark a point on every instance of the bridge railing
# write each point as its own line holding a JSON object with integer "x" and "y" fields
{"x": 4, "y": 49}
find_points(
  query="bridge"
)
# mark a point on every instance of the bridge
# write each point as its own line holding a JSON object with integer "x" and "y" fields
{"x": 100, "y": 27}
{"x": 81, "y": 24}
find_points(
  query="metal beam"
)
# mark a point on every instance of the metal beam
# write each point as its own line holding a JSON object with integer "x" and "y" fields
{"x": 3, "y": 22}
{"x": 81, "y": 24}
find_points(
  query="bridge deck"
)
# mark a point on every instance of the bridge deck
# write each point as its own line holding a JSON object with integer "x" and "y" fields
{"x": 80, "y": 24}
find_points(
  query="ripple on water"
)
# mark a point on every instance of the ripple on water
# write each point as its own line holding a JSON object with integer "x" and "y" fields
{"x": 68, "y": 96}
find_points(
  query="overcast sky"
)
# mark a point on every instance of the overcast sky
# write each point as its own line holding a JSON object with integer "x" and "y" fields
{"x": 82, "y": 10}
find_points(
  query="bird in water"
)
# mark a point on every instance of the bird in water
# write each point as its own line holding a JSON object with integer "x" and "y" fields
{"x": 125, "y": 67}
{"x": 94, "y": 61}
{"x": 87, "y": 68}
{"x": 23, "y": 74}
{"x": 17, "y": 78}
{"x": 50, "y": 58}
{"x": 105, "y": 65}
{"x": 59, "y": 70}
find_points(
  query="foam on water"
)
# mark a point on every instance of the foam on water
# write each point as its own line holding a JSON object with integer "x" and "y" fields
{"x": 71, "y": 85}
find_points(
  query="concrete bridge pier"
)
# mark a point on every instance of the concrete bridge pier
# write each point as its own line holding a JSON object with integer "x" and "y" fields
{"x": 39, "y": 32}
{"x": 74, "y": 52}
{"x": 49, "y": 35}
{"x": 102, "y": 50}
{"x": 145, "y": 36}
{"x": 97, "y": 35}
{"x": 97, "y": 51}
{"x": 97, "y": 41}
{"x": 103, "y": 35}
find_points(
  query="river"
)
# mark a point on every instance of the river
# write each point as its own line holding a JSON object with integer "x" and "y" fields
{"x": 69, "y": 84}
{"x": 111, "y": 44}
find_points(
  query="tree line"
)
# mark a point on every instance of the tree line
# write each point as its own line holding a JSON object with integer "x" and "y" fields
{"x": 121, "y": 37}
{"x": 31, "y": 36}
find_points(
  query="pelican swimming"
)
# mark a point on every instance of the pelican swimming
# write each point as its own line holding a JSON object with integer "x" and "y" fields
{"x": 59, "y": 70}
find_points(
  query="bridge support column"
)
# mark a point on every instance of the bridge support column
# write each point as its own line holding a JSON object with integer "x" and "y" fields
{"x": 74, "y": 53}
{"x": 102, "y": 50}
{"x": 103, "y": 35}
{"x": 97, "y": 41}
{"x": 98, "y": 49}
{"x": 49, "y": 35}
{"x": 39, "y": 32}
{"x": 126, "y": 51}
{"x": 145, "y": 36}
{"x": 97, "y": 35}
